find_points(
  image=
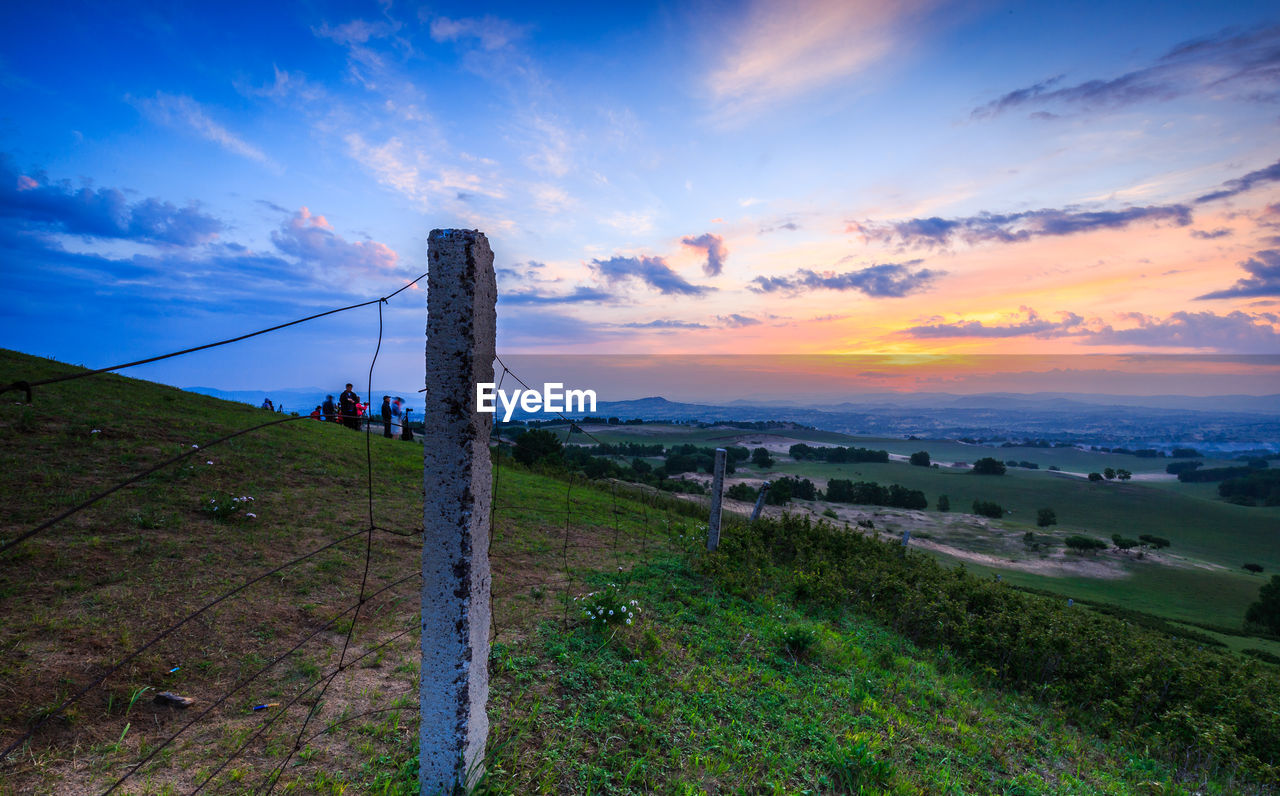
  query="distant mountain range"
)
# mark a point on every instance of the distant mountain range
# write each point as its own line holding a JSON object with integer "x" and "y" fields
{"x": 1218, "y": 423}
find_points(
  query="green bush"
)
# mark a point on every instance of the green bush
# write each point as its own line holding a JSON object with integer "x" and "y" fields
{"x": 1184, "y": 703}
{"x": 988, "y": 508}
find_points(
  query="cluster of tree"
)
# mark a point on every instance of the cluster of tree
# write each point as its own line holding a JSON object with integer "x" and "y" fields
{"x": 1024, "y": 465}
{"x": 612, "y": 421}
{"x": 627, "y": 449}
{"x": 1143, "y": 686}
{"x": 1141, "y": 453}
{"x": 869, "y": 493}
{"x": 543, "y": 448}
{"x": 1254, "y": 568}
{"x": 1178, "y": 468}
{"x": 988, "y": 466}
{"x": 988, "y": 508}
{"x": 756, "y": 425}
{"x": 1259, "y": 485}
{"x": 837, "y": 454}
{"x": 784, "y": 489}
{"x": 1111, "y": 474}
{"x": 1198, "y": 476}
{"x": 920, "y": 459}
{"x": 1264, "y": 614}
{"x": 1184, "y": 453}
{"x": 1085, "y": 544}
{"x": 761, "y": 458}
{"x": 1158, "y": 542}
{"x": 742, "y": 492}
{"x": 691, "y": 458}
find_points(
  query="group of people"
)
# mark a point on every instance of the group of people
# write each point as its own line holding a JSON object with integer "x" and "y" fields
{"x": 351, "y": 412}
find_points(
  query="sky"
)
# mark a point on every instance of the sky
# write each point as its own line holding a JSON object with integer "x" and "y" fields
{"x": 921, "y": 181}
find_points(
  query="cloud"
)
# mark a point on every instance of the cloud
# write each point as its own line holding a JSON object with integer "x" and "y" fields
{"x": 59, "y": 208}
{"x": 1263, "y": 279}
{"x": 664, "y": 324}
{"x": 1212, "y": 234}
{"x": 890, "y": 280}
{"x": 783, "y": 50}
{"x": 735, "y": 321}
{"x": 715, "y": 249}
{"x": 312, "y": 240}
{"x": 183, "y": 112}
{"x": 490, "y": 32}
{"x": 408, "y": 172}
{"x": 1209, "y": 64}
{"x": 357, "y": 31}
{"x": 1013, "y": 227}
{"x": 652, "y": 271}
{"x": 1241, "y": 184}
{"x": 789, "y": 226}
{"x": 579, "y": 295}
{"x": 1031, "y": 325}
{"x": 1237, "y": 332}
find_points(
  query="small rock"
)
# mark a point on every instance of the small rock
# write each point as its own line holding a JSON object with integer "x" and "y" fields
{"x": 170, "y": 698}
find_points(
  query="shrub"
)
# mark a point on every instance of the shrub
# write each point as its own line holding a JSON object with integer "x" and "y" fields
{"x": 1095, "y": 477}
{"x": 742, "y": 492}
{"x": 1254, "y": 568}
{"x": 1123, "y": 543}
{"x": 920, "y": 459}
{"x": 989, "y": 466}
{"x": 538, "y": 445}
{"x": 1265, "y": 612}
{"x": 1046, "y": 517}
{"x": 760, "y": 458}
{"x": 607, "y": 607}
{"x": 944, "y": 503}
{"x": 1157, "y": 542}
{"x": 988, "y": 508}
{"x": 1083, "y": 544}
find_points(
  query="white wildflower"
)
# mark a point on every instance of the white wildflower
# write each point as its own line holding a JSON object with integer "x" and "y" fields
{"x": 251, "y": 514}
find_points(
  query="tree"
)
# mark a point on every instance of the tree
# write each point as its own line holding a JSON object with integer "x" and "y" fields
{"x": 920, "y": 458}
{"x": 1083, "y": 544}
{"x": 1157, "y": 542}
{"x": 1109, "y": 473}
{"x": 988, "y": 509}
{"x": 741, "y": 492}
{"x": 1124, "y": 475}
{"x": 989, "y": 466}
{"x": 1122, "y": 543}
{"x": 1095, "y": 476}
{"x": 538, "y": 445}
{"x": 944, "y": 503}
{"x": 1254, "y": 568}
{"x": 1046, "y": 517}
{"x": 1265, "y": 613}
{"x": 761, "y": 458}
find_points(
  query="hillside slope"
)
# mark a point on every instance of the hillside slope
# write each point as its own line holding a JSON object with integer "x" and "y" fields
{"x": 715, "y": 688}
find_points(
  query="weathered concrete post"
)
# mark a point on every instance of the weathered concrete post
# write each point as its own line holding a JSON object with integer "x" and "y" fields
{"x": 461, "y": 319}
{"x": 717, "y": 500}
{"x": 755, "y": 513}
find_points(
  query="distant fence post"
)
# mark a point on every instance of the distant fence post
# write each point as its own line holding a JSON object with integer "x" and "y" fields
{"x": 755, "y": 513}
{"x": 457, "y": 476}
{"x": 717, "y": 500}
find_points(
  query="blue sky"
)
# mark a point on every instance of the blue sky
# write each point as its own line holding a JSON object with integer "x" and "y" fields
{"x": 859, "y": 178}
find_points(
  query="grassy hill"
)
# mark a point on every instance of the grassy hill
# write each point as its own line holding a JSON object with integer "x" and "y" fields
{"x": 723, "y": 685}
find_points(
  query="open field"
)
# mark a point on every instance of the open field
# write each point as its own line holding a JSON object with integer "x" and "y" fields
{"x": 1198, "y": 579}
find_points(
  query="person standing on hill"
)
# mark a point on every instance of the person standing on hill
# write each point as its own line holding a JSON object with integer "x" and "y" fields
{"x": 328, "y": 409}
{"x": 386, "y": 416}
{"x": 348, "y": 403}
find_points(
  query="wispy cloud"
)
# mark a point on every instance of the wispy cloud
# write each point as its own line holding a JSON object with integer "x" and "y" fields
{"x": 784, "y": 50}
{"x": 713, "y": 246}
{"x": 663, "y": 323}
{"x": 1249, "y": 181}
{"x": 735, "y": 321}
{"x": 579, "y": 295}
{"x": 1263, "y": 280}
{"x": 415, "y": 176}
{"x": 1031, "y": 324}
{"x": 1013, "y": 227}
{"x": 1214, "y": 63}
{"x": 183, "y": 112}
{"x": 489, "y": 32}
{"x": 651, "y": 271}
{"x": 888, "y": 280}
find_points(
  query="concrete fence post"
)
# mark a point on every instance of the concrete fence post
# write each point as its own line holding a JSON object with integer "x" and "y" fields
{"x": 717, "y": 500}
{"x": 755, "y": 512}
{"x": 454, "y": 682}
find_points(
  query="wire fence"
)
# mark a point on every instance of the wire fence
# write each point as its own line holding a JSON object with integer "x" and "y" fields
{"x": 259, "y": 715}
